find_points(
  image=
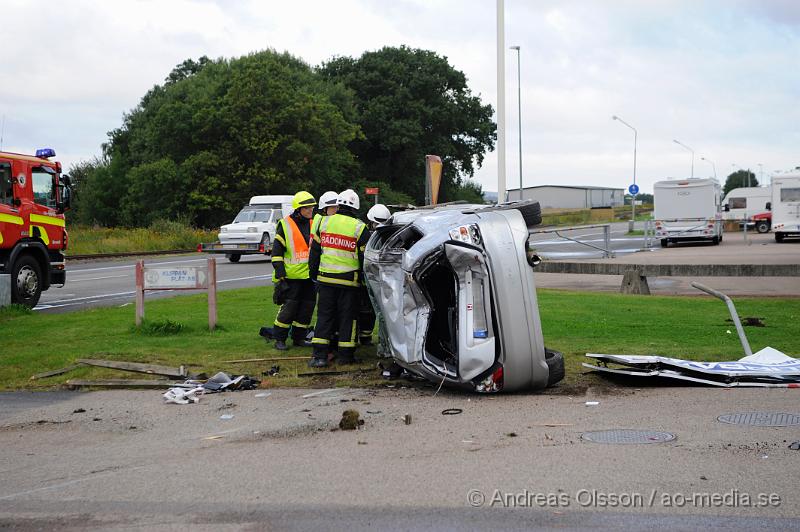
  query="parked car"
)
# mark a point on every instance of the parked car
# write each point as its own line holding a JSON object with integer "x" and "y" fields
{"x": 454, "y": 292}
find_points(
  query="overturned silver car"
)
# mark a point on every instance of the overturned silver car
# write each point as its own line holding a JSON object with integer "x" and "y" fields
{"x": 453, "y": 289}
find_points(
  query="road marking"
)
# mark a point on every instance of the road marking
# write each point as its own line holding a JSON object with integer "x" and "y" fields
{"x": 97, "y": 278}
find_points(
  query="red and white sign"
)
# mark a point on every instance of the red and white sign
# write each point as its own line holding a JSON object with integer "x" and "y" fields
{"x": 372, "y": 190}
{"x": 346, "y": 243}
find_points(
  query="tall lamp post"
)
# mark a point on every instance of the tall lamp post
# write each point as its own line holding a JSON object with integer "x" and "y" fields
{"x": 633, "y": 196}
{"x": 760, "y": 174}
{"x": 679, "y": 143}
{"x": 712, "y": 165}
{"x": 519, "y": 111}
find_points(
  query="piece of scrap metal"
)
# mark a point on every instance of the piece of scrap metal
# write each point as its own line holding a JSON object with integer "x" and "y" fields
{"x": 767, "y": 368}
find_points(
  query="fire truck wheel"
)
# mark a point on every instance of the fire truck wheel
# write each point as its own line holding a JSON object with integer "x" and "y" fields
{"x": 762, "y": 226}
{"x": 26, "y": 282}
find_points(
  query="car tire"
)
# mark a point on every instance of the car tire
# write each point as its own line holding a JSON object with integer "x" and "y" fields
{"x": 555, "y": 365}
{"x": 530, "y": 210}
{"x": 234, "y": 257}
{"x": 762, "y": 226}
{"x": 26, "y": 282}
{"x": 715, "y": 240}
{"x": 664, "y": 242}
{"x": 778, "y": 237}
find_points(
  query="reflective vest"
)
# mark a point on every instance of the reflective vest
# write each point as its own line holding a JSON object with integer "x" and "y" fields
{"x": 314, "y": 224}
{"x": 295, "y": 258}
{"x": 338, "y": 263}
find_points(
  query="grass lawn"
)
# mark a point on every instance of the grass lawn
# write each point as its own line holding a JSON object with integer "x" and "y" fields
{"x": 574, "y": 323}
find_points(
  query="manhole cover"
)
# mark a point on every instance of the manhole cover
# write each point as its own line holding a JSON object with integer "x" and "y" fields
{"x": 628, "y": 436}
{"x": 761, "y": 419}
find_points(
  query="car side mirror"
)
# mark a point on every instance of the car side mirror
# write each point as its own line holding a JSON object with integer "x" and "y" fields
{"x": 727, "y": 208}
{"x": 769, "y": 205}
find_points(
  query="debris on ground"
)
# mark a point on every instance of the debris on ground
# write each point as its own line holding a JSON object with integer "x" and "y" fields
{"x": 407, "y": 419}
{"x": 750, "y": 321}
{"x": 119, "y": 383}
{"x": 766, "y": 368}
{"x": 795, "y": 446}
{"x": 152, "y": 369}
{"x": 272, "y": 371}
{"x": 192, "y": 389}
{"x": 592, "y": 403}
{"x": 451, "y": 411}
{"x": 350, "y": 420}
{"x": 55, "y": 372}
{"x": 181, "y": 396}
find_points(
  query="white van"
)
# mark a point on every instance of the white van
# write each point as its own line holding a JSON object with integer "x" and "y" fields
{"x": 687, "y": 210}
{"x": 253, "y": 229}
{"x": 785, "y": 206}
{"x": 743, "y": 203}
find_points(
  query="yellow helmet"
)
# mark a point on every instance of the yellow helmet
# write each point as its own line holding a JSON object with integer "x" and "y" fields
{"x": 303, "y": 199}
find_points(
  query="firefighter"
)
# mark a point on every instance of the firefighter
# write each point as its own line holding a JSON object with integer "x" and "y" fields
{"x": 377, "y": 215}
{"x": 335, "y": 262}
{"x": 294, "y": 289}
{"x": 327, "y": 207}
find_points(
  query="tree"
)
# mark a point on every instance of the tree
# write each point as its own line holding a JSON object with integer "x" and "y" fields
{"x": 217, "y": 133}
{"x": 411, "y": 103}
{"x": 740, "y": 178}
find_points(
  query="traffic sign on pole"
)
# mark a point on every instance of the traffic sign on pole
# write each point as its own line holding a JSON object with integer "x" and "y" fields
{"x": 633, "y": 189}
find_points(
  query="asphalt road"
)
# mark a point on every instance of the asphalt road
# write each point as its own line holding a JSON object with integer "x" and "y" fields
{"x": 125, "y": 460}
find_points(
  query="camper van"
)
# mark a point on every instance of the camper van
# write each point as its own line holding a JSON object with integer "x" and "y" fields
{"x": 687, "y": 210}
{"x": 743, "y": 203}
{"x": 785, "y": 206}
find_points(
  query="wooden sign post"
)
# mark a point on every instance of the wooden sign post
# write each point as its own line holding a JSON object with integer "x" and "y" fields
{"x": 177, "y": 278}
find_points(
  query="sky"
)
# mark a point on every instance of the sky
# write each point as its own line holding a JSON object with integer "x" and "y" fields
{"x": 720, "y": 76}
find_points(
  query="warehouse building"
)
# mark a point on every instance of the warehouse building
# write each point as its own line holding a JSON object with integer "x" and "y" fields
{"x": 571, "y": 197}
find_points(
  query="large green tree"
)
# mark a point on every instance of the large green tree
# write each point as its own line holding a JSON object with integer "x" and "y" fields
{"x": 410, "y": 103}
{"x": 740, "y": 178}
{"x": 218, "y": 132}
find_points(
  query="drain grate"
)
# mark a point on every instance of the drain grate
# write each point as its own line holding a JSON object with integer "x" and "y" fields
{"x": 761, "y": 419}
{"x": 628, "y": 436}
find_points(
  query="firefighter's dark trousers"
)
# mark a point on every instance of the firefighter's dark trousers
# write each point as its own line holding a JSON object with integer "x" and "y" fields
{"x": 337, "y": 311}
{"x": 366, "y": 317}
{"x": 296, "y": 312}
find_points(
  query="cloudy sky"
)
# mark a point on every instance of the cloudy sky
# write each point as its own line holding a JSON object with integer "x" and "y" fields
{"x": 720, "y": 76}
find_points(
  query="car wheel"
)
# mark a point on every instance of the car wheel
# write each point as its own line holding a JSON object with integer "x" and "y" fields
{"x": 762, "y": 226}
{"x": 530, "y": 210}
{"x": 234, "y": 257}
{"x": 664, "y": 242}
{"x": 555, "y": 365}
{"x": 778, "y": 237}
{"x": 715, "y": 240}
{"x": 26, "y": 282}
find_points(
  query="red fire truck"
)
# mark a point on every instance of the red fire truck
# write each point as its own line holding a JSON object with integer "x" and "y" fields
{"x": 33, "y": 236}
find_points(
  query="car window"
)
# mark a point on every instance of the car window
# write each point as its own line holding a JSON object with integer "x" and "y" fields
{"x": 790, "y": 194}
{"x": 6, "y": 185}
{"x": 44, "y": 192}
{"x": 249, "y": 215}
{"x": 738, "y": 203}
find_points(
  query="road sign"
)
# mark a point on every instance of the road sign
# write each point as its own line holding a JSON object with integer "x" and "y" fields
{"x": 371, "y": 190}
{"x": 633, "y": 189}
{"x": 177, "y": 278}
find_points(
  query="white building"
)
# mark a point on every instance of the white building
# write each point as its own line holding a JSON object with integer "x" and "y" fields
{"x": 570, "y": 197}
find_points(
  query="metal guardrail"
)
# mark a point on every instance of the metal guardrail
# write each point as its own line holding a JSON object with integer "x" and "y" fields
{"x": 607, "y": 252}
{"x": 129, "y": 254}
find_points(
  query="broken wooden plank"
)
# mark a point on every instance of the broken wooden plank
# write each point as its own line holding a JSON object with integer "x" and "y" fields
{"x": 120, "y": 383}
{"x": 334, "y": 372}
{"x": 152, "y": 369}
{"x": 273, "y": 359}
{"x": 55, "y": 372}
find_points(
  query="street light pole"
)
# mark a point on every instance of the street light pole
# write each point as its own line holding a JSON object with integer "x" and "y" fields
{"x": 519, "y": 110}
{"x": 712, "y": 165}
{"x": 688, "y": 148}
{"x": 760, "y": 174}
{"x": 633, "y": 196}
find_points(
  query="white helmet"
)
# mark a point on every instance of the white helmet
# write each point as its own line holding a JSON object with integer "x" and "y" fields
{"x": 328, "y": 199}
{"x": 349, "y": 198}
{"x": 378, "y": 213}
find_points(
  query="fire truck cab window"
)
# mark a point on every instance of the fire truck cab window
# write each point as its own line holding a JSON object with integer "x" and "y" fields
{"x": 6, "y": 185}
{"x": 44, "y": 193}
